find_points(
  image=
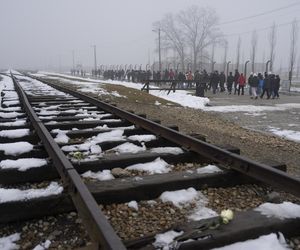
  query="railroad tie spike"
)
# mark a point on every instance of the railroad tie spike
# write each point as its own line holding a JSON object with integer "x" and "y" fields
{"x": 142, "y": 115}
{"x": 174, "y": 127}
{"x": 156, "y": 121}
{"x": 198, "y": 136}
{"x": 229, "y": 148}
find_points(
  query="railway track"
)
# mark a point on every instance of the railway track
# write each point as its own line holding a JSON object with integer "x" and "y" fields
{"x": 131, "y": 181}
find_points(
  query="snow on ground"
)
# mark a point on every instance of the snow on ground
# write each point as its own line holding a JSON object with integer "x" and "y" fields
{"x": 209, "y": 169}
{"x": 252, "y": 108}
{"x": 158, "y": 166}
{"x": 15, "y": 123}
{"x": 9, "y": 195}
{"x": 128, "y": 147}
{"x": 165, "y": 240}
{"x": 184, "y": 197}
{"x": 283, "y": 210}
{"x": 180, "y": 197}
{"x": 23, "y": 164}
{"x": 43, "y": 245}
{"x": 8, "y": 115}
{"x": 181, "y": 97}
{"x": 142, "y": 138}
{"x": 61, "y": 137}
{"x": 101, "y": 175}
{"x": 114, "y": 135}
{"x": 167, "y": 150}
{"x": 265, "y": 242}
{"x": 286, "y": 133}
{"x": 14, "y": 133}
{"x": 8, "y": 242}
{"x": 16, "y": 148}
{"x": 134, "y": 205}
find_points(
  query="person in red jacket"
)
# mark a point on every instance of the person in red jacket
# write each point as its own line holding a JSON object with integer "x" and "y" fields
{"x": 242, "y": 83}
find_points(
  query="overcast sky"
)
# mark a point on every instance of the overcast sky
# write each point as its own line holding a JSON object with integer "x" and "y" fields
{"x": 43, "y": 33}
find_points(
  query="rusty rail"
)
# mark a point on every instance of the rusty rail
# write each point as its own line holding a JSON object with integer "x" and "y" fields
{"x": 99, "y": 229}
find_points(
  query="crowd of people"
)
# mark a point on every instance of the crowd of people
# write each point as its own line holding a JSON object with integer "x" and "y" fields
{"x": 260, "y": 84}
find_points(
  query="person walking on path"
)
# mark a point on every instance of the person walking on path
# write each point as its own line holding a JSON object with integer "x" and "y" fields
{"x": 276, "y": 87}
{"x": 230, "y": 80}
{"x": 242, "y": 83}
{"x": 266, "y": 86}
{"x": 236, "y": 78}
{"x": 254, "y": 86}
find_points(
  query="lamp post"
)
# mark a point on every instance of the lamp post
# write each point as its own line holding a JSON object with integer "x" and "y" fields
{"x": 227, "y": 68}
{"x": 213, "y": 66}
{"x": 245, "y": 69}
{"x": 159, "y": 50}
{"x": 73, "y": 57}
{"x": 95, "y": 58}
{"x": 267, "y": 65}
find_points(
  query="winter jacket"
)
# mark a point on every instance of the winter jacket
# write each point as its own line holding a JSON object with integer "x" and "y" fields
{"x": 242, "y": 80}
{"x": 254, "y": 82}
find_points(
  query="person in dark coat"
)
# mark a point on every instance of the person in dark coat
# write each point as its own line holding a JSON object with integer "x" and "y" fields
{"x": 197, "y": 79}
{"x": 230, "y": 80}
{"x": 222, "y": 81}
{"x": 181, "y": 79}
{"x": 204, "y": 79}
{"x": 215, "y": 81}
{"x": 236, "y": 81}
{"x": 266, "y": 86}
{"x": 276, "y": 87}
{"x": 250, "y": 83}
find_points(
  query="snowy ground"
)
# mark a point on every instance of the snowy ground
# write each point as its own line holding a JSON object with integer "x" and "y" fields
{"x": 279, "y": 116}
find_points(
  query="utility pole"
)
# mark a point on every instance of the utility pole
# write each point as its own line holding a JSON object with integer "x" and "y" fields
{"x": 95, "y": 58}
{"x": 159, "y": 52}
{"x": 73, "y": 55}
{"x": 159, "y": 49}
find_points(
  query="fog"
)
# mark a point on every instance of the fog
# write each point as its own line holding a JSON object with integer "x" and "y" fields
{"x": 42, "y": 34}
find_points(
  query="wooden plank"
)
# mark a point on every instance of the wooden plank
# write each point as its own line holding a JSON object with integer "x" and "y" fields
{"x": 150, "y": 187}
{"x": 35, "y": 208}
{"x": 13, "y": 176}
{"x": 86, "y": 124}
{"x": 119, "y": 191}
{"x": 245, "y": 225}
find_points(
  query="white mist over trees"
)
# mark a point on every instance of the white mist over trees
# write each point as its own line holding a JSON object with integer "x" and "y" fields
{"x": 190, "y": 33}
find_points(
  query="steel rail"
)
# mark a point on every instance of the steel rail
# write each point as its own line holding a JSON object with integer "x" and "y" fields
{"x": 99, "y": 229}
{"x": 259, "y": 171}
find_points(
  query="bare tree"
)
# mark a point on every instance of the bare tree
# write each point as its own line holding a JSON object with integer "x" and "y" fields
{"x": 293, "y": 49}
{"x": 199, "y": 25}
{"x": 263, "y": 61}
{"x": 225, "y": 55}
{"x": 172, "y": 36}
{"x": 272, "y": 41}
{"x": 212, "y": 56}
{"x": 238, "y": 52}
{"x": 253, "y": 49}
